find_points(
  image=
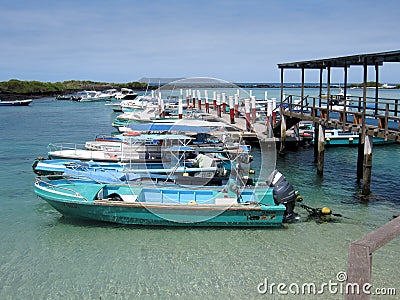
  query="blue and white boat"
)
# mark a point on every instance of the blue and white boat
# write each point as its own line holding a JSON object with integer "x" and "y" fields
{"x": 172, "y": 205}
{"x": 16, "y": 102}
{"x": 337, "y": 137}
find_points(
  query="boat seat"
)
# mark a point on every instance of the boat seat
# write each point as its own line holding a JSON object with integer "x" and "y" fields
{"x": 129, "y": 198}
{"x": 225, "y": 201}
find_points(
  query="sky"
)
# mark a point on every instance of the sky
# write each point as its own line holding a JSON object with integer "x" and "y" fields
{"x": 232, "y": 40}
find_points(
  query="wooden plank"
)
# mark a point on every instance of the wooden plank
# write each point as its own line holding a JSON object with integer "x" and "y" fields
{"x": 358, "y": 271}
{"x": 381, "y": 236}
{"x": 359, "y": 263}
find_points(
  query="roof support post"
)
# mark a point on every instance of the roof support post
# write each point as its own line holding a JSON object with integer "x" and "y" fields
{"x": 344, "y": 114}
{"x": 328, "y": 90}
{"x": 320, "y": 85}
{"x": 376, "y": 87}
{"x": 302, "y": 83}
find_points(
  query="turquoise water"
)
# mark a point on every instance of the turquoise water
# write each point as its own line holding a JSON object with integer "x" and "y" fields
{"x": 45, "y": 256}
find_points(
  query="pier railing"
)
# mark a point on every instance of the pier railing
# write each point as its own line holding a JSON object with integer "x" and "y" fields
{"x": 359, "y": 267}
{"x": 381, "y": 118}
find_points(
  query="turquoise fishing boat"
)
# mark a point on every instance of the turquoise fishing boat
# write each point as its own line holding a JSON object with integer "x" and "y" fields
{"x": 172, "y": 205}
{"x": 337, "y": 137}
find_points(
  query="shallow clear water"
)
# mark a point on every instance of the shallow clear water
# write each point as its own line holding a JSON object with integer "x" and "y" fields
{"x": 45, "y": 256}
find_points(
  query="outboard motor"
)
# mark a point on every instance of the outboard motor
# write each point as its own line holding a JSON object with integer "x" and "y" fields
{"x": 285, "y": 194}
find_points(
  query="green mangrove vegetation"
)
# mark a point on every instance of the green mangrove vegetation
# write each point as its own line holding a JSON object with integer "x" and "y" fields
{"x": 33, "y": 87}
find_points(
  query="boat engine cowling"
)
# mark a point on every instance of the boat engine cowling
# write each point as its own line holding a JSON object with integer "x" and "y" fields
{"x": 285, "y": 194}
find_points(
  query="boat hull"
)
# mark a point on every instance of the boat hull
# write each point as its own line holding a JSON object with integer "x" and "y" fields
{"x": 162, "y": 206}
{"x": 140, "y": 215}
{"x": 16, "y": 103}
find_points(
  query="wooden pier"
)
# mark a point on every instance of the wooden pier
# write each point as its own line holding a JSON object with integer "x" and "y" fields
{"x": 369, "y": 117}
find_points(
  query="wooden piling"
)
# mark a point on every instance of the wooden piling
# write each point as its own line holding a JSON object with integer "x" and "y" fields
{"x": 180, "y": 107}
{"x": 247, "y": 112}
{"x": 316, "y": 135}
{"x": 206, "y": 102}
{"x": 237, "y": 105}
{"x": 269, "y": 117}
{"x": 231, "y": 110}
{"x": 282, "y": 150}
{"x": 321, "y": 150}
{"x": 366, "y": 183}
{"x": 273, "y": 111}
{"x": 215, "y": 100}
{"x": 253, "y": 109}
{"x": 198, "y": 99}
{"x": 219, "y": 105}
{"x": 224, "y": 103}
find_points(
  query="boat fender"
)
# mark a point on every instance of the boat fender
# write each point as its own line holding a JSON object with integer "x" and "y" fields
{"x": 131, "y": 133}
{"x": 192, "y": 202}
{"x": 114, "y": 197}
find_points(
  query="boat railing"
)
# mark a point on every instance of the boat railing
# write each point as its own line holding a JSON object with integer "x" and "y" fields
{"x": 40, "y": 181}
{"x": 385, "y": 112}
{"x": 65, "y": 146}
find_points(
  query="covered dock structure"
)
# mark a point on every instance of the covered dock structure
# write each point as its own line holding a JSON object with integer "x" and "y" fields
{"x": 376, "y": 117}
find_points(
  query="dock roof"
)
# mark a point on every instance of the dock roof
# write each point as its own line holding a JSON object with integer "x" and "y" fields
{"x": 345, "y": 61}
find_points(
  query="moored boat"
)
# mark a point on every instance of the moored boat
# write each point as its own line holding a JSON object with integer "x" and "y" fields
{"x": 337, "y": 137}
{"x": 229, "y": 205}
{"x": 25, "y": 102}
{"x": 126, "y": 94}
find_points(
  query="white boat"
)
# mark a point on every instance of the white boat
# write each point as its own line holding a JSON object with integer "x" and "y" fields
{"x": 90, "y": 96}
{"x": 145, "y": 114}
{"x": 108, "y": 94}
{"x": 386, "y": 86}
{"x": 133, "y": 148}
{"x": 126, "y": 94}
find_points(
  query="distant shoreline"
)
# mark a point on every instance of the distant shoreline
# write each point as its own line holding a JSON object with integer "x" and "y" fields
{"x": 34, "y": 92}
